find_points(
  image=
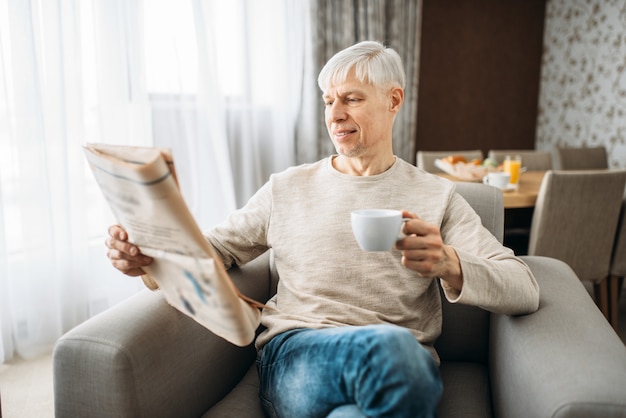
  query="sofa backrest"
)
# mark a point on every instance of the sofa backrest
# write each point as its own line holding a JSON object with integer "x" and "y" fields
{"x": 487, "y": 202}
{"x": 465, "y": 329}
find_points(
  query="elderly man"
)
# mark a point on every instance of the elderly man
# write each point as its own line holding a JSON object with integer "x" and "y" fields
{"x": 351, "y": 333}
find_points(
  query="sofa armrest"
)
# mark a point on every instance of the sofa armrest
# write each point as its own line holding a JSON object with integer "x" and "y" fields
{"x": 143, "y": 358}
{"x": 564, "y": 360}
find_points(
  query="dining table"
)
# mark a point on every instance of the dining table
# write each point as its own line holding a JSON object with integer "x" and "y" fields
{"x": 524, "y": 196}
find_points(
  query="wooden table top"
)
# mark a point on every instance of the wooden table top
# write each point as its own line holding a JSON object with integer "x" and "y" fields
{"x": 526, "y": 194}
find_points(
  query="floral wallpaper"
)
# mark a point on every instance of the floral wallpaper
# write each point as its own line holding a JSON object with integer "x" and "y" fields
{"x": 582, "y": 99}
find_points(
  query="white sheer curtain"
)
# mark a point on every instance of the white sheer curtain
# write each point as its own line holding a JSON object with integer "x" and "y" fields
{"x": 218, "y": 82}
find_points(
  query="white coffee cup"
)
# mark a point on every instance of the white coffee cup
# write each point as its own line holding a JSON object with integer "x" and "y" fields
{"x": 497, "y": 179}
{"x": 377, "y": 229}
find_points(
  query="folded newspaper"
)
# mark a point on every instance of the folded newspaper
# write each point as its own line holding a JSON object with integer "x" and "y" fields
{"x": 140, "y": 185}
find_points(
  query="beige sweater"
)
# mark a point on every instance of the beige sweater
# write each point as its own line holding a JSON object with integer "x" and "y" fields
{"x": 326, "y": 280}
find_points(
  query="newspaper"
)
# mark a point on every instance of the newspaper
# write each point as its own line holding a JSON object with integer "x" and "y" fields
{"x": 141, "y": 188}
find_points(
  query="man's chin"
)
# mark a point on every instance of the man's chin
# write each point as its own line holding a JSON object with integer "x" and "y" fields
{"x": 355, "y": 151}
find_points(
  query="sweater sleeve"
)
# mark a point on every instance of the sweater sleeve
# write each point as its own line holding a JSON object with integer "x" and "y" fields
{"x": 243, "y": 236}
{"x": 493, "y": 277}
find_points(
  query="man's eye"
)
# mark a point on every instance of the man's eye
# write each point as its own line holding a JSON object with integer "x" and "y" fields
{"x": 327, "y": 103}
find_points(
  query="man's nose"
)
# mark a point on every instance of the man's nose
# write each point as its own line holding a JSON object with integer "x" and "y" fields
{"x": 336, "y": 112}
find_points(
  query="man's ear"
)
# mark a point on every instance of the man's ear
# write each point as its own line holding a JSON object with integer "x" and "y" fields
{"x": 396, "y": 98}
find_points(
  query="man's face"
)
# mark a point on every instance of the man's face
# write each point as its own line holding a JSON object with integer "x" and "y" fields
{"x": 359, "y": 117}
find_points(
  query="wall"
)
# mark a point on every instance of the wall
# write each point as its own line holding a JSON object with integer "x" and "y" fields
{"x": 480, "y": 68}
{"x": 582, "y": 99}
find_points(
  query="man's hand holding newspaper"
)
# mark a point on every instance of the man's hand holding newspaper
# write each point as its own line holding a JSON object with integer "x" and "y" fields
{"x": 141, "y": 188}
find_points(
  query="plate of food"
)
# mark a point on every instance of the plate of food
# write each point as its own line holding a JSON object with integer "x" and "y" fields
{"x": 459, "y": 167}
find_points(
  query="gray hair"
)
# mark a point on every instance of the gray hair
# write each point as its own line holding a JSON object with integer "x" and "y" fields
{"x": 373, "y": 63}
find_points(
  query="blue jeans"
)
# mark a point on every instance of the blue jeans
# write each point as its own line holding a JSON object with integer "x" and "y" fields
{"x": 369, "y": 371}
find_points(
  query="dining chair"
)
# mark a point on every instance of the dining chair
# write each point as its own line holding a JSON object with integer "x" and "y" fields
{"x": 426, "y": 159}
{"x": 618, "y": 267}
{"x": 532, "y": 160}
{"x": 586, "y": 158}
{"x": 575, "y": 220}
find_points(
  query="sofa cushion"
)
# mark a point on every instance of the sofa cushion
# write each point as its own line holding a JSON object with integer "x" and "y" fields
{"x": 466, "y": 391}
{"x": 464, "y": 334}
{"x": 242, "y": 401}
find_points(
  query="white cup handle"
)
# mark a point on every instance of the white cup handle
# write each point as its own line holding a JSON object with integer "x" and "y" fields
{"x": 402, "y": 234}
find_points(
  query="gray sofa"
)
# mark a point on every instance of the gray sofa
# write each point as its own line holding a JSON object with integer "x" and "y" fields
{"x": 142, "y": 358}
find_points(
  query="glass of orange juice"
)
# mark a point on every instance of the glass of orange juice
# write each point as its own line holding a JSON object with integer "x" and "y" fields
{"x": 513, "y": 166}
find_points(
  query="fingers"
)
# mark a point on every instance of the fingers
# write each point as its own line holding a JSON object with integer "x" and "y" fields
{"x": 118, "y": 241}
{"x": 122, "y": 246}
{"x": 421, "y": 253}
{"x": 422, "y": 248}
{"x": 424, "y": 251}
{"x": 118, "y": 232}
{"x": 125, "y": 256}
{"x": 128, "y": 267}
{"x": 426, "y": 266}
{"x": 416, "y": 226}
{"x": 128, "y": 264}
